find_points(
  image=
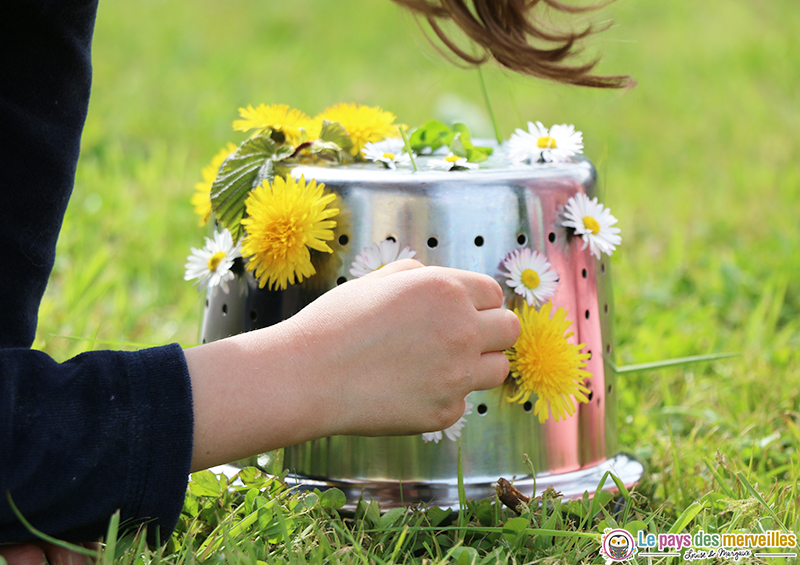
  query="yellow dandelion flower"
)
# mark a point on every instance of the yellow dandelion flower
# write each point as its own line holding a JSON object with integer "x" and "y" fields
{"x": 279, "y": 118}
{"x": 285, "y": 219}
{"x": 363, "y": 123}
{"x": 544, "y": 362}
{"x": 201, "y": 199}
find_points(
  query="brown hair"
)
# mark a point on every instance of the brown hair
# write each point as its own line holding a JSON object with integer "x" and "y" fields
{"x": 503, "y": 29}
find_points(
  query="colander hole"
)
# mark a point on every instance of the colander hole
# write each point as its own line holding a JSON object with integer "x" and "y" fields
{"x": 610, "y": 389}
{"x": 522, "y": 239}
{"x": 584, "y": 273}
{"x": 206, "y": 302}
{"x": 551, "y": 237}
{"x": 341, "y": 280}
{"x": 603, "y": 268}
{"x": 482, "y": 409}
{"x": 224, "y": 309}
{"x": 391, "y": 238}
{"x": 608, "y": 349}
{"x": 343, "y": 239}
{"x": 432, "y": 242}
{"x": 528, "y": 406}
{"x": 599, "y": 398}
{"x": 590, "y": 355}
{"x": 479, "y": 241}
{"x": 587, "y": 314}
{"x": 205, "y": 340}
{"x": 590, "y": 395}
{"x": 253, "y": 315}
{"x": 605, "y": 308}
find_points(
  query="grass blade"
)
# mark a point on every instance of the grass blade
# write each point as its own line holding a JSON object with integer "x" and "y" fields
{"x": 678, "y": 361}
{"x": 43, "y": 536}
{"x": 407, "y": 144}
{"x": 754, "y": 493}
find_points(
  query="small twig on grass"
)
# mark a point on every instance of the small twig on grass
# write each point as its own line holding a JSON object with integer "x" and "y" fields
{"x": 511, "y": 497}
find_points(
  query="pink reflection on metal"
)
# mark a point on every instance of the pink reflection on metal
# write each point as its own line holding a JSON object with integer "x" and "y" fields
{"x": 587, "y": 316}
{"x": 561, "y": 436}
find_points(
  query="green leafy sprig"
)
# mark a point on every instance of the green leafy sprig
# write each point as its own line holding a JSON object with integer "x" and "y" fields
{"x": 434, "y": 134}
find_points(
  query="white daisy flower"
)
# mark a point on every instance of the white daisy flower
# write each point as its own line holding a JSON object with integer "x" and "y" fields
{"x": 390, "y": 152}
{"x": 593, "y": 222}
{"x": 452, "y": 163}
{"x": 530, "y": 275}
{"x": 378, "y": 255}
{"x": 211, "y": 266}
{"x": 558, "y": 144}
{"x": 454, "y": 431}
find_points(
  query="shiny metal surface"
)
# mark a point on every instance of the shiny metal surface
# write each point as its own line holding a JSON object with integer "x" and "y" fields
{"x": 467, "y": 220}
{"x": 392, "y": 494}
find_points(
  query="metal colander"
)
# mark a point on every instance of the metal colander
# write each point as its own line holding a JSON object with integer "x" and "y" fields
{"x": 467, "y": 220}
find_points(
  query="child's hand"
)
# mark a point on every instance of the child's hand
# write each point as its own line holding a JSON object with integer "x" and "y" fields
{"x": 401, "y": 347}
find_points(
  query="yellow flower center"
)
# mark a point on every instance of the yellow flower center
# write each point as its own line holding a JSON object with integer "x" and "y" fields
{"x": 283, "y": 237}
{"x": 215, "y": 260}
{"x": 388, "y": 156}
{"x": 591, "y": 224}
{"x": 547, "y": 143}
{"x": 543, "y": 361}
{"x": 530, "y": 279}
{"x": 452, "y": 158}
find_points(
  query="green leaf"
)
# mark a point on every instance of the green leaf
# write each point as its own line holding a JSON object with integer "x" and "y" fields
{"x": 244, "y": 170}
{"x": 463, "y": 147}
{"x": 457, "y": 146}
{"x": 310, "y": 500}
{"x": 484, "y": 511}
{"x": 635, "y": 527}
{"x": 436, "y": 515}
{"x": 477, "y": 154}
{"x": 333, "y": 132}
{"x": 391, "y": 517}
{"x": 332, "y": 498}
{"x": 205, "y": 483}
{"x": 514, "y": 529}
{"x": 254, "y": 477}
{"x": 432, "y": 135}
{"x": 249, "y": 499}
{"x": 464, "y": 555}
{"x": 266, "y": 518}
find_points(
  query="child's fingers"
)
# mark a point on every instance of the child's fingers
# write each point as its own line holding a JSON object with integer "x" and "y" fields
{"x": 484, "y": 291}
{"x": 491, "y": 371}
{"x": 499, "y": 328}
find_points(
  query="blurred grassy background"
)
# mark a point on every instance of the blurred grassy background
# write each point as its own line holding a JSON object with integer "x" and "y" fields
{"x": 699, "y": 162}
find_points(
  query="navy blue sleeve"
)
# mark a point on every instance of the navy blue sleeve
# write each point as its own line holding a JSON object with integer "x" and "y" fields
{"x": 105, "y": 430}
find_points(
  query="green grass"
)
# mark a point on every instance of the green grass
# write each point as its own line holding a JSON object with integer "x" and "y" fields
{"x": 699, "y": 162}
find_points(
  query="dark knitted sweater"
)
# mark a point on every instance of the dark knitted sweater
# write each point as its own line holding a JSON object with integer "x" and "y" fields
{"x": 105, "y": 430}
